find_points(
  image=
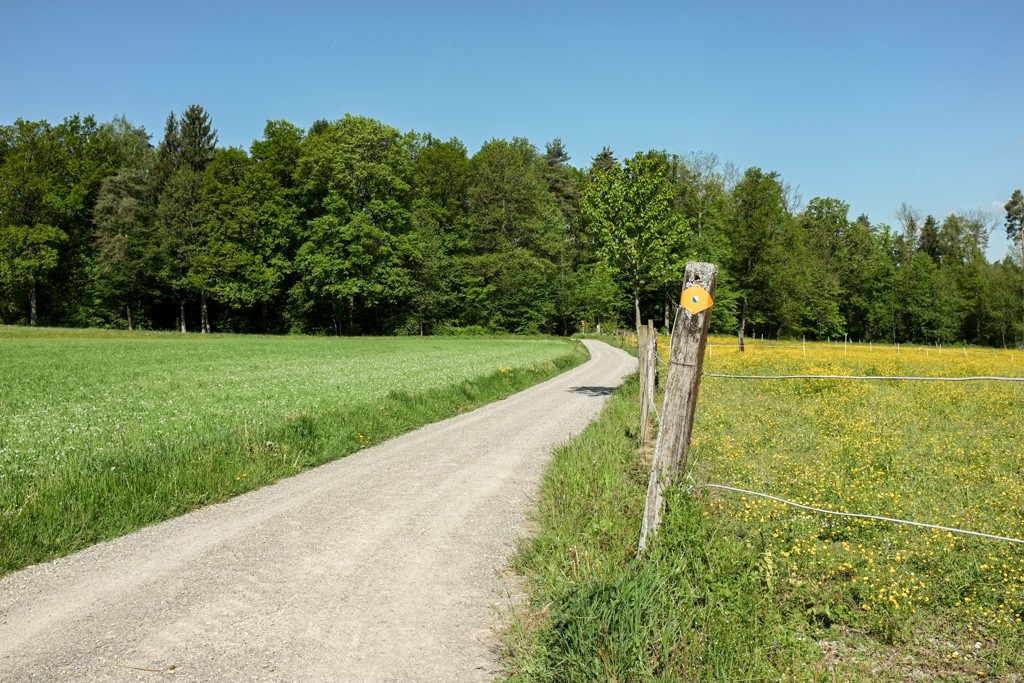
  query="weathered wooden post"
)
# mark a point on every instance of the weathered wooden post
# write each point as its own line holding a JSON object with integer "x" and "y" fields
{"x": 647, "y": 353}
{"x": 645, "y": 406}
{"x": 652, "y": 368}
{"x": 686, "y": 358}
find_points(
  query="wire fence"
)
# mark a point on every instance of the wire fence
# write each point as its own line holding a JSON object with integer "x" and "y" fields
{"x": 857, "y": 515}
{"x": 870, "y": 347}
{"x": 900, "y": 378}
{"x": 817, "y": 348}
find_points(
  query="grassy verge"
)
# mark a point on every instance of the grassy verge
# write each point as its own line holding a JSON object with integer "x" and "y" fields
{"x": 740, "y": 588}
{"x": 694, "y": 608}
{"x": 99, "y": 440}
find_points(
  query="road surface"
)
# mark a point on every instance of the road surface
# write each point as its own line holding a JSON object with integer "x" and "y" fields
{"x": 386, "y": 565}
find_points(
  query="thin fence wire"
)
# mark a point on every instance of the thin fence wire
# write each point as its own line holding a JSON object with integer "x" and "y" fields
{"x": 819, "y": 346}
{"x": 857, "y": 515}
{"x": 873, "y": 377}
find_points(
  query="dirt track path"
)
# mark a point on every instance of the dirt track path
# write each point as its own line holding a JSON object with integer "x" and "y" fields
{"x": 383, "y": 566}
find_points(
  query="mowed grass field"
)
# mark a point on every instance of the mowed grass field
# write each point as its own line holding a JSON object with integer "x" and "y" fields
{"x": 103, "y": 432}
{"x": 744, "y": 588}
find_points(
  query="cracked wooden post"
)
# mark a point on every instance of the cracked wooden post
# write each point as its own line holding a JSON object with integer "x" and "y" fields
{"x": 686, "y": 359}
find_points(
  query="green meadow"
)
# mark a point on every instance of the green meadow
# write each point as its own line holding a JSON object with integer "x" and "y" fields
{"x": 104, "y": 432}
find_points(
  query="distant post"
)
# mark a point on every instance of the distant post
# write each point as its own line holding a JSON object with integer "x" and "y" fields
{"x": 647, "y": 356}
{"x": 686, "y": 359}
{"x": 652, "y": 362}
{"x": 641, "y": 362}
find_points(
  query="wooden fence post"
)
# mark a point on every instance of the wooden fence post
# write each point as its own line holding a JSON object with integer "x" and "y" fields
{"x": 648, "y": 350}
{"x": 686, "y": 358}
{"x": 643, "y": 359}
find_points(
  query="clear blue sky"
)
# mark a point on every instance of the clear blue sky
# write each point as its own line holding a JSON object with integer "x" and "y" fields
{"x": 875, "y": 103}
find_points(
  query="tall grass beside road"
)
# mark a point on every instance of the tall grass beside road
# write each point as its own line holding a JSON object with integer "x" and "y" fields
{"x": 101, "y": 433}
{"x": 743, "y": 588}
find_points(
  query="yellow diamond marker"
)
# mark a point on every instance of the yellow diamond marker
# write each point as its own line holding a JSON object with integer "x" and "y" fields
{"x": 696, "y": 299}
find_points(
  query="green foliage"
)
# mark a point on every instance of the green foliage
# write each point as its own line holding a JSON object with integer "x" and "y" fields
{"x": 356, "y": 174}
{"x": 514, "y": 240}
{"x": 761, "y": 239}
{"x": 28, "y": 254}
{"x": 197, "y": 138}
{"x": 356, "y": 227}
{"x": 597, "y": 297}
{"x": 824, "y": 225}
{"x": 48, "y": 179}
{"x": 508, "y": 202}
{"x": 629, "y": 214}
{"x": 181, "y": 238}
{"x": 1015, "y": 217}
{"x": 249, "y": 225}
{"x": 188, "y": 147}
{"x": 345, "y": 262}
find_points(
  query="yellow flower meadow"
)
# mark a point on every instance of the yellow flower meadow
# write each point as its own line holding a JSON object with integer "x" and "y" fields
{"x": 943, "y": 453}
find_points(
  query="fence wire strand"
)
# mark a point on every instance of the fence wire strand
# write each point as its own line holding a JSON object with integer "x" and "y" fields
{"x": 857, "y": 514}
{"x": 982, "y": 378}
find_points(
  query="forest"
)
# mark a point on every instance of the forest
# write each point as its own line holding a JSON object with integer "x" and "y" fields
{"x": 354, "y": 227}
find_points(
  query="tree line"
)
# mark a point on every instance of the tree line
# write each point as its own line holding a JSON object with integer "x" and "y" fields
{"x": 354, "y": 227}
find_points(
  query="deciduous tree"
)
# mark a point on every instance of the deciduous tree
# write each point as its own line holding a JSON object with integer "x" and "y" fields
{"x": 629, "y": 213}
{"x": 355, "y": 175}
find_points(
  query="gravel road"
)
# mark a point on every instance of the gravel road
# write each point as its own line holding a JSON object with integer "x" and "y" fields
{"x": 387, "y": 565}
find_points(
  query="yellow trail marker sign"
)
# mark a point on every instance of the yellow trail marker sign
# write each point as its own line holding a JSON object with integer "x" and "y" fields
{"x": 696, "y": 299}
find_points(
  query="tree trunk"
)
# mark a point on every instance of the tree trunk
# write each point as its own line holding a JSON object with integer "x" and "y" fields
{"x": 351, "y": 314}
{"x": 32, "y": 306}
{"x": 128, "y": 310}
{"x": 204, "y": 312}
{"x": 184, "y": 328}
{"x": 743, "y": 320}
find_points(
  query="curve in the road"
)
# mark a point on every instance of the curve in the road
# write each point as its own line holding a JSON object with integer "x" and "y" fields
{"x": 382, "y": 566}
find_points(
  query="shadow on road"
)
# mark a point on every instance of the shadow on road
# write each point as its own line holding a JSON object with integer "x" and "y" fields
{"x": 592, "y": 391}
